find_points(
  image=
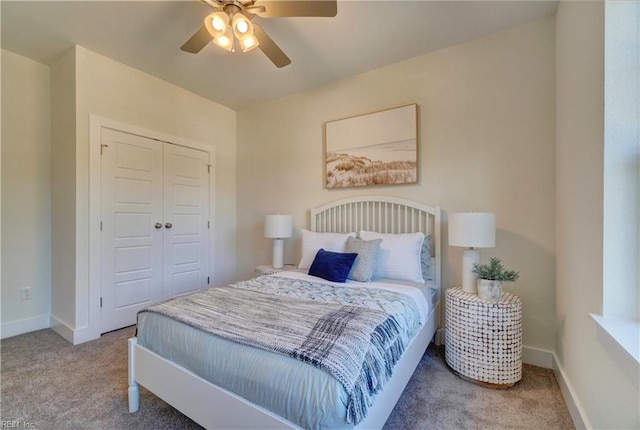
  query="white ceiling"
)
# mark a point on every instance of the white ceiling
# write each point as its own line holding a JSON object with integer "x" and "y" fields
{"x": 147, "y": 35}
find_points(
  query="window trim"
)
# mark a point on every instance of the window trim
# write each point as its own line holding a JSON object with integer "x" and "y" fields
{"x": 625, "y": 333}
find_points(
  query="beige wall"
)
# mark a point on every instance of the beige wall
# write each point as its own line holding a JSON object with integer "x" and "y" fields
{"x": 602, "y": 381}
{"x": 86, "y": 83}
{"x": 48, "y": 108}
{"x": 113, "y": 90}
{"x": 63, "y": 189}
{"x": 510, "y": 123}
{"x": 26, "y": 198}
{"x": 486, "y": 132}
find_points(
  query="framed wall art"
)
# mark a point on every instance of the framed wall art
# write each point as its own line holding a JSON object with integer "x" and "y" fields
{"x": 379, "y": 148}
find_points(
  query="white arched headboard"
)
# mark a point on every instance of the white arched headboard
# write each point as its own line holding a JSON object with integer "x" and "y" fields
{"x": 383, "y": 214}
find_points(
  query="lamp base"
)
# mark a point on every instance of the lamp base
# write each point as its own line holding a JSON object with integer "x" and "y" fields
{"x": 278, "y": 254}
{"x": 469, "y": 279}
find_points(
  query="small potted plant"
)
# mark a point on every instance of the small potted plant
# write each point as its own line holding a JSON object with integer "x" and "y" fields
{"x": 490, "y": 279}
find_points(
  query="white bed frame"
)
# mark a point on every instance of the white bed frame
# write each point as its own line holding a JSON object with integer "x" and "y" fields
{"x": 214, "y": 407}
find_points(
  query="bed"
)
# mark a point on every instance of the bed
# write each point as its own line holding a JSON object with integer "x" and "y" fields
{"x": 242, "y": 394}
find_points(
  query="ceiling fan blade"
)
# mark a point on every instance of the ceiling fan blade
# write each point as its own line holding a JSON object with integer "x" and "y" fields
{"x": 198, "y": 41}
{"x": 269, "y": 47}
{"x": 289, "y": 8}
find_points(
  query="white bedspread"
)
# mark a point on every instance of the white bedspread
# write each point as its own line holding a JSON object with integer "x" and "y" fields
{"x": 301, "y": 393}
{"x": 421, "y": 293}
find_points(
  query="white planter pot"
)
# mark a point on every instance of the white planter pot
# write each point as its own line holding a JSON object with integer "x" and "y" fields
{"x": 490, "y": 290}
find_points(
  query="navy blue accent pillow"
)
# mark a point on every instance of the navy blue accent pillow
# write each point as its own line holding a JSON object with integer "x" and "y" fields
{"x": 332, "y": 266}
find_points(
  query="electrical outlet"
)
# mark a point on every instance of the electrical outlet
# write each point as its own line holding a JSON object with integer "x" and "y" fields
{"x": 25, "y": 293}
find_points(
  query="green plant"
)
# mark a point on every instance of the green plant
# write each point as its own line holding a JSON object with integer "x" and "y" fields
{"x": 495, "y": 271}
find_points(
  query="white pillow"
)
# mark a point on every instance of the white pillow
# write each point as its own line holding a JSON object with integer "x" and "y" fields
{"x": 313, "y": 241}
{"x": 399, "y": 256}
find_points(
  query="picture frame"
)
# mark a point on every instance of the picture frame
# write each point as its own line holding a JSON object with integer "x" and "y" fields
{"x": 373, "y": 149}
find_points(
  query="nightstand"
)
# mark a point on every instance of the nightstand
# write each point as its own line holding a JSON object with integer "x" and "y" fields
{"x": 483, "y": 340}
{"x": 267, "y": 269}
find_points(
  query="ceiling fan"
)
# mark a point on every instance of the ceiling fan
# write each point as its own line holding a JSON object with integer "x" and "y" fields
{"x": 229, "y": 24}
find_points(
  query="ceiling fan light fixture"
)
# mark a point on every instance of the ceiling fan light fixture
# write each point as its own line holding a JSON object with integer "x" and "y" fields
{"x": 229, "y": 25}
{"x": 217, "y": 24}
{"x": 242, "y": 27}
{"x": 225, "y": 41}
{"x": 249, "y": 43}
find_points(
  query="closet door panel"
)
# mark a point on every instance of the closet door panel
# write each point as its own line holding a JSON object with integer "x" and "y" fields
{"x": 186, "y": 210}
{"x": 131, "y": 246}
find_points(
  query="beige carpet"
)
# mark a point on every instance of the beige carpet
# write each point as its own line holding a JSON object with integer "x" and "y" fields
{"x": 47, "y": 383}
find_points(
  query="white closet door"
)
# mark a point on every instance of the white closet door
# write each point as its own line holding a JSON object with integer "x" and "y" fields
{"x": 155, "y": 224}
{"x": 186, "y": 210}
{"x": 132, "y": 206}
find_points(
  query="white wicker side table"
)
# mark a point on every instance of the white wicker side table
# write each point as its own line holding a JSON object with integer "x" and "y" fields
{"x": 483, "y": 340}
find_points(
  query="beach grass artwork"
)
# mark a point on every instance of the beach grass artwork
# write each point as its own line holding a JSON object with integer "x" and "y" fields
{"x": 378, "y": 148}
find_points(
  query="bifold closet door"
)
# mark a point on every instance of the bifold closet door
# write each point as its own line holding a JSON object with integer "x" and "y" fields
{"x": 154, "y": 219}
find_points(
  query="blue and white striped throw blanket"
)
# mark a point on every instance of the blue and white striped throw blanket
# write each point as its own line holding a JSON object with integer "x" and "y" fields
{"x": 338, "y": 333}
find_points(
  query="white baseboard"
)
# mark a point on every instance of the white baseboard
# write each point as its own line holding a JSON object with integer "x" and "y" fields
{"x": 84, "y": 334}
{"x": 74, "y": 335}
{"x": 537, "y": 357}
{"x": 14, "y": 328}
{"x": 62, "y": 328}
{"x": 573, "y": 404}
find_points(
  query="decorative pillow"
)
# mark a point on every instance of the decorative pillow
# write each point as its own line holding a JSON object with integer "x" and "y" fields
{"x": 399, "y": 256}
{"x": 332, "y": 266}
{"x": 426, "y": 259}
{"x": 430, "y": 275}
{"x": 313, "y": 241}
{"x": 365, "y": 263}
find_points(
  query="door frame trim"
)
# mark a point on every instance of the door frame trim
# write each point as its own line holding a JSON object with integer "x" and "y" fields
{"x": 96, "y": 124}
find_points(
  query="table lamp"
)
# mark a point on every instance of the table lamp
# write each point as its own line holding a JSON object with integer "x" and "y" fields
{"x": 471, "y": 230}
{"x": 278, "y": 227}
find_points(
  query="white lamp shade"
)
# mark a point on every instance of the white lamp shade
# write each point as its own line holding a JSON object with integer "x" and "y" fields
{"x": 278, "y": 226}
{"x": 472, "y": 229}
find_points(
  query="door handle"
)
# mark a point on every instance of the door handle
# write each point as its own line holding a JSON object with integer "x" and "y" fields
{"x": 168, "y": 225}
{"x": 158, "y": 226}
